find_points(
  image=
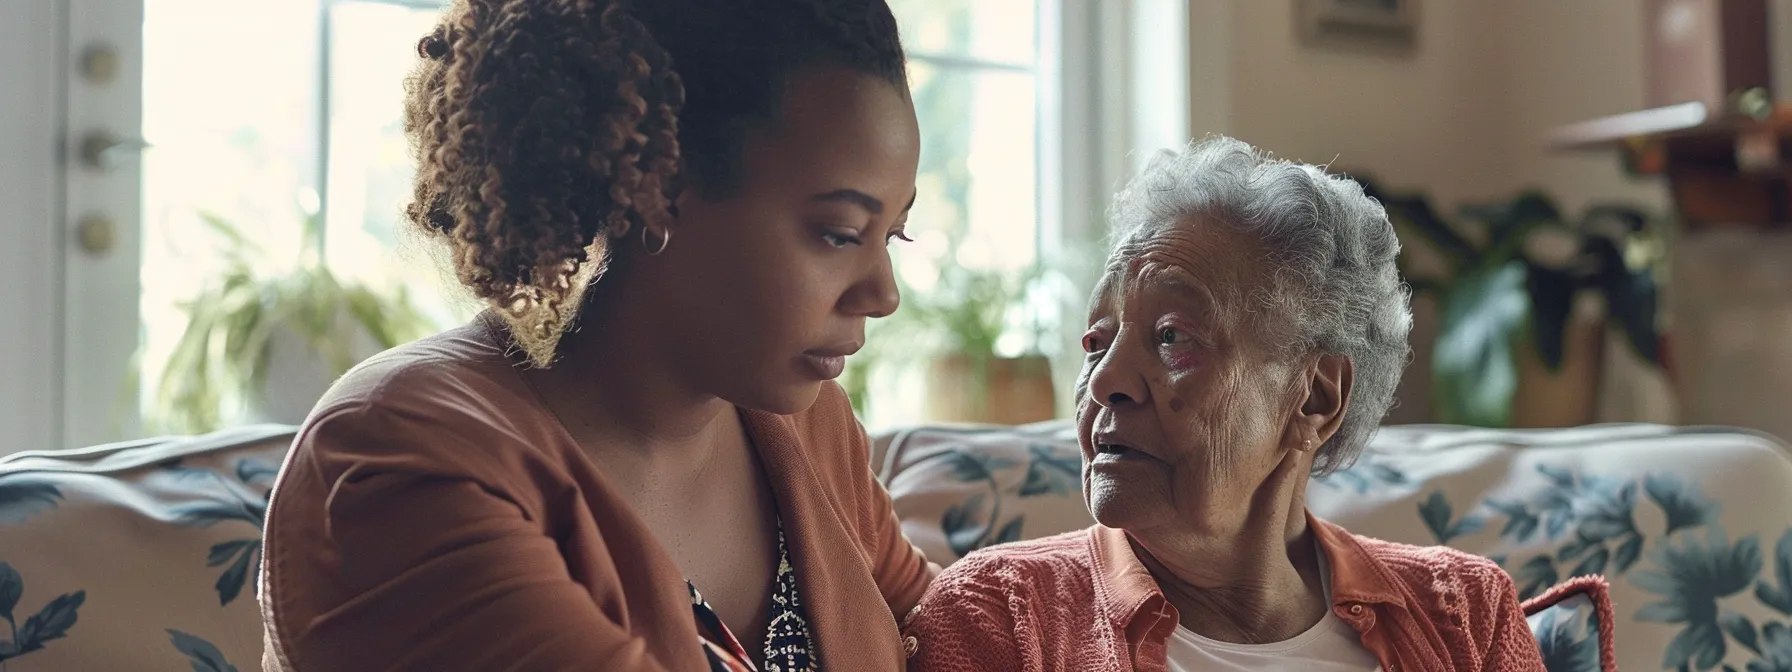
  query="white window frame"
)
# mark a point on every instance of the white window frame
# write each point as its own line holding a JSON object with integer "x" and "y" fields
{"x": 1115, "y": 87}
{"x": 1097, "y": 111}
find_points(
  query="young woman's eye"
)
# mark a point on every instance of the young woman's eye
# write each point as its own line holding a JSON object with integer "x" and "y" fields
{"x": 899, "y": 235}
{"x": 837, "y": 239}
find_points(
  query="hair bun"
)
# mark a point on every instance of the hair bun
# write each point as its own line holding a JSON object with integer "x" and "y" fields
{"x": 432, "y": 47}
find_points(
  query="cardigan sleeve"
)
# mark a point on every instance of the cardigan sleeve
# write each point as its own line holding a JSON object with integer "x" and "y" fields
{"x": 964, "y": 623}
{"x": 1510, "y": 645}
{"x": 448, "y": 570}
{"x": 901, "y": 570}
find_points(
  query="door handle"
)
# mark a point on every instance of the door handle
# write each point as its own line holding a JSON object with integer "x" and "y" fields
{"x": 101, "y": 150}
{"x": 96, "y": 234}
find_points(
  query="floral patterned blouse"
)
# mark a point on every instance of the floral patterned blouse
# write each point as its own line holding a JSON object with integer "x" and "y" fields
{"x": 788, "y": 645}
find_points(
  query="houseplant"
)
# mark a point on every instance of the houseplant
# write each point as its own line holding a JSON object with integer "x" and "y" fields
{"x": 259, "y": 309}
{"x": 1505, "y": 300}
{"x": 980, "y": 339}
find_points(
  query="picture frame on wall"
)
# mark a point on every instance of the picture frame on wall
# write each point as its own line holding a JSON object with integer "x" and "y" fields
{"x": 1396, "y": 20}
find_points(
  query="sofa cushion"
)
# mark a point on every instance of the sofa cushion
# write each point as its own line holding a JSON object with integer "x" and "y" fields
{"x": 1693, "y": 526}
{"x": 138, "y": 555}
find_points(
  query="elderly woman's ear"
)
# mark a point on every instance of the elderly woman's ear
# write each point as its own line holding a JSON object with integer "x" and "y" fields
{"x": 1327, "y": 390}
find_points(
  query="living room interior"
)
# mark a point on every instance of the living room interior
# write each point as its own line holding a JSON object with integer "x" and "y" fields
{"x": 205, "y": 231}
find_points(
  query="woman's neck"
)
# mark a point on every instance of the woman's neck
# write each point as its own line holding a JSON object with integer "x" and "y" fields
{"x": 612, "y": 385}
{"x": 1252, "y": 584}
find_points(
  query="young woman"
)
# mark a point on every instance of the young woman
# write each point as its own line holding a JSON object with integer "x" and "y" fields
{"x": 679, "y": 213}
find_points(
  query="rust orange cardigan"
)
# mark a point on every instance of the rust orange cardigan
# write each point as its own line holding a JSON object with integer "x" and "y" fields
{"x": 433, "y": 515}
{"x": 1083, "y": 601}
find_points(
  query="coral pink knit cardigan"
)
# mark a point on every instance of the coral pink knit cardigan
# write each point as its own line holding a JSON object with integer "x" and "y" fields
{"x": 1083, "y": 601}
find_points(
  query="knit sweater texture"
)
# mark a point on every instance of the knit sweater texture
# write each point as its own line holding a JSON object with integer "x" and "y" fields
{"x": 1083, "y": 601}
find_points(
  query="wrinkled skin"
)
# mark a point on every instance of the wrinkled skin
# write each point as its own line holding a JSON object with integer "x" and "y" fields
{"x": 1198, "y": 429}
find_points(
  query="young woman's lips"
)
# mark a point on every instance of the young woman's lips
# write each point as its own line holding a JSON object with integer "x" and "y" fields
{"x": 828, "y": 363}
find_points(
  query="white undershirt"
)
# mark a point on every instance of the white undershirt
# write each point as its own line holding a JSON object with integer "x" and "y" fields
{"x": 1331, "y": 645}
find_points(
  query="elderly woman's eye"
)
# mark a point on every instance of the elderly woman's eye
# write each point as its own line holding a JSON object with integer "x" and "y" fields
{"x": 1091, "y": 342}
{"x": 1169, "y": 336}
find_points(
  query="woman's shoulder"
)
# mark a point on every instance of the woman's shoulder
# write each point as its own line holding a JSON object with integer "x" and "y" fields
{"x": 447, "y": 403}
{"x": 465, "y": 359}
{"x": 1039, "y": 562}
{"x": 1415, "y": 562}
{"x": 1438, "y": 573}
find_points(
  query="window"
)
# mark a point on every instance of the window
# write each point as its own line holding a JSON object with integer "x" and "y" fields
{"x": 266, "y": 114}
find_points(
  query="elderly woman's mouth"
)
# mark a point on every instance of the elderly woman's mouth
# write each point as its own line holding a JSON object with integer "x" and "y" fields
{"x": 1111, "y": 449}
{"x": 1120, "y": 452}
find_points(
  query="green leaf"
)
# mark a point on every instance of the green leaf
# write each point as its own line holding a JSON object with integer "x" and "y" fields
{"x": 230, "y": 583}
{"x": 1631, "y": 297}
{"x": 1009, "y": 532}
{"x": 233, "y": 236}
{"x": 1627, "y": 554}
{"x": 221, "y": 361}
{"x": 1473, "y": 366}
{"x": 1510, "y": 222}
{"x": 959, "y": 523}
{"x": 223, "y": 552}
{"x": 51, "y": 622}
{"x": 1436, "y": 512}
{"x": 204, "y": 656}
{"x": 1535, "y": 575}
{"x": 1740, "y": 629}
{"x": 1552, "y": 302}
{"x": 25, "y": 495}
{"x": 1417, "y": 214}
{"x": 12, "y": 586}
{"x": 968, "y": 466}
{"x": 1593, "y": 564}
{"x": 251, "y": 470}
{"x": 1049, "y": 474}
{"x": 1576, "y": 547}
{"x": 1779, "y": 597}
{"x": 208, "y": 513}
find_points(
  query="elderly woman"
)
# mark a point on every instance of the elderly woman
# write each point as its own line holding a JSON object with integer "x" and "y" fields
{"x": 1249, "y": 332}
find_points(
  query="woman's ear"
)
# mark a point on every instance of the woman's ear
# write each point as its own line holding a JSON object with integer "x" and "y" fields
{"x": 1327, "y": 396}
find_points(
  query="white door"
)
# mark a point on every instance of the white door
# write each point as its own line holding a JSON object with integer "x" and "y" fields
{"x": 69, "y": 115}
{"x": 102, "y": 174}
{"x": 177, "y": 114}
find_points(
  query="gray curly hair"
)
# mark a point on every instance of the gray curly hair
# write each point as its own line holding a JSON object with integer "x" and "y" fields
{"x": 1334, "y": 287}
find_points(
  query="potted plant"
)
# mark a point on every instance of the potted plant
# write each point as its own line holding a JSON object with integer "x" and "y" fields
{"x": 1510, "y": 349}
{"x": 260, "y": 316}
{"x": 979, "y": 337}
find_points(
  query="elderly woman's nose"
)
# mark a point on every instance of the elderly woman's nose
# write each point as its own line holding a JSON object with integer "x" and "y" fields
{"x": 1119, "y": 380}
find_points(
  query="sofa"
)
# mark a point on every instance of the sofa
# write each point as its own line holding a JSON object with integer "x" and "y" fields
{"x": 141, "y": 555}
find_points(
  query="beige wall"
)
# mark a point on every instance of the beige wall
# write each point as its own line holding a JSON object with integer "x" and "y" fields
{"x": 1461, "y": 115}
{"x": 1568, "y": 62}
{"x": 1423, "y": 118}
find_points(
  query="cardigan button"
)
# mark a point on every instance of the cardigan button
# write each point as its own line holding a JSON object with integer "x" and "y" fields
{"x": 1356, "y": 610}
{"x": 910, "y": 645}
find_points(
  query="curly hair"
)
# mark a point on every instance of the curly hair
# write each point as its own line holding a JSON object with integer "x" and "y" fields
{"x": 544, "y": 129}
{"x": 1334, "y": 287}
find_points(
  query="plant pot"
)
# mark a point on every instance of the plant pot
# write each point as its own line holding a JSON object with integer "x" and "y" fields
{"x": 298, "y": 375}
{"x": 1010, "y": 391}
{"x": 1568, "y": 396}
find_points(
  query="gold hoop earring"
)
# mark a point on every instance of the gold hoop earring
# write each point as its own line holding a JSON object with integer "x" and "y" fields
{"x": 665, "y": 240}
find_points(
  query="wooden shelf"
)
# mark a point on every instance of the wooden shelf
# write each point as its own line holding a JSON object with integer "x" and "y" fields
{"x": 1723, "y": 170}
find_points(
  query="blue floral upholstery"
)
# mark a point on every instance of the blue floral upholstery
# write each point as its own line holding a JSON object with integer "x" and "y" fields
{"x": 1678, "y": 520}
{"x": 1567, "y": 625}
{"x": 141, "y": 555}
{"x": 136, "y": 556}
